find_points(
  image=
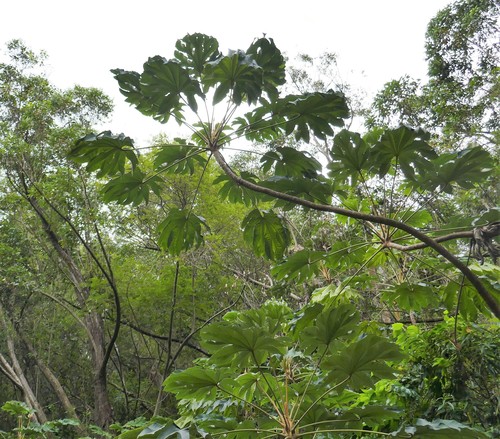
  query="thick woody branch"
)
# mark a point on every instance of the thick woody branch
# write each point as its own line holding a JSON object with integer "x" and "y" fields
{"x": 474, "y": 280}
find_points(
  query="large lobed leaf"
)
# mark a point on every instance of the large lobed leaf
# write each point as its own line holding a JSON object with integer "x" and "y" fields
{"x": 181, "y": 230}
{"x": 105, "y": 153}
{"x": 363, "y": 362}
{"x": 267, "y": 233}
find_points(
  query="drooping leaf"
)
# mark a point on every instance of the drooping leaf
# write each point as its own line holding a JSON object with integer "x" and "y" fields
{"x": 316, "y": 190}
{"x": 312, "y": 112}
{"x": 289, "y": 162}
{"x": 408, "y": 147}
{"x": 240, "y": 345}
{"x": 165, "y": 83}
{"x": 272, "y": 63}
{"x": 364, "y": 362}
{"x": 179, "y": 158}
{"x": 195, "y": 50}
{"x": 105, "y": 153}
{"x": 235, "y": 193}
{"x": 411, "y": 296}
{"x": 267, "y": 233}
{"x": 465, "y": 168}
{"x": 350, "y": 156}
{"x": 299, "y": 266}
{"x": 131, "y": 188}
{"x": 440, "y": 429}
{"x": 163, "y": 431}
{"x": 181, "y": 230}
{"x": 196, "y": 383}
{"x": 330, "y": 325}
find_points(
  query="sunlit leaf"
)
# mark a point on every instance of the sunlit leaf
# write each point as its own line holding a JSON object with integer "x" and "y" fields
{"x": 411, "y": 296}
{"x": 195, "y": 383}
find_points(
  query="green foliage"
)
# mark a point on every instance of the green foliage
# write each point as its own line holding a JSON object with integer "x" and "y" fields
{"x": 267, "y": 233}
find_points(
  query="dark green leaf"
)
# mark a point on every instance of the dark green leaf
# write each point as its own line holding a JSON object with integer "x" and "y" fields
{"x": 312, "y": 112}
{"x": 104, "y": 152}
{"x": 330, "y": 325}
{"x": 179, "y": 158}
{"x": 464, "y": 168}
{"x": 299, "y": 266}
{"x": 411, "y": 296}
{"x": 131, "y": 188}
{"x": 272, "y": 63}
{"x": 350, "y": 156}
{"x": 267, "y": 233}
{"x": 235, "y": 193}
{"x": 195, "y": 383}
{"x": 363, "y": 362}
{"x": 409, "y": 149}
{"x": 440, "y": 429}
{"x": 194, "y": 51}
{"x": 237, "y": 72}
{"x": 181, "y": 230}
{"x": 289, "y": 162}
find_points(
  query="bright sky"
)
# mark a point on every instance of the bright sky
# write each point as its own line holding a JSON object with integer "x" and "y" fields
{"x": 376, "y": 40}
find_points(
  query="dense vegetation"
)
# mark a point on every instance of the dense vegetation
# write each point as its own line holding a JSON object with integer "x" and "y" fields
{"x": 273, "y": 273}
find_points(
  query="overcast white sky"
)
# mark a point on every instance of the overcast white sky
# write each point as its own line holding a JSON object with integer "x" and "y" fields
{"x": 378, "y": 40}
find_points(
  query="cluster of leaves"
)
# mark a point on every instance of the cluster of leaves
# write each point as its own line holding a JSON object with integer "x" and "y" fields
{"x": 275, "y": 372}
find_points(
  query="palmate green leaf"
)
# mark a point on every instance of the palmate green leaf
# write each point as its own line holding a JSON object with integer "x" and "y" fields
{"x": 272, "y": 63}
{"x": 413, "y": 297}
{"x": 235, "y": 193}
{"x": 163, "y": 431}
{"x": 261, "y": 124}
{"x": 105, "y": 153}
{"x": 350, "y": 156}
{"x": 179, "y": 158}
{"x": 408, "y": 147}
{"x": 289, "y": 162}
{"x": 132, "y": 188}
{"x": 267, "y": 233}
{"x": 165, "y": 83}
{"x": 465, "y": 168}
{"x": 195, "y": 50}
{"x": 363, "y": 362}
{"x": 237, "y": 73}
{"x": 440, "y": 429}
{"x": 316, "y": 190}
{"x": 329, "y": 326}
{"x": 299, "y": 266}
{"x": 196, "y": 383}
{"x": 240, "y": 345}
{"x": 312, "y": 112}
{"x": 181, "y": 230}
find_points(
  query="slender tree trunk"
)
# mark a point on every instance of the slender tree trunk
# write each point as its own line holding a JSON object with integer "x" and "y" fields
{"x": 54, "y": 382}
{"x": 16, "y": 373}
{"x": 103, "y": 413}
